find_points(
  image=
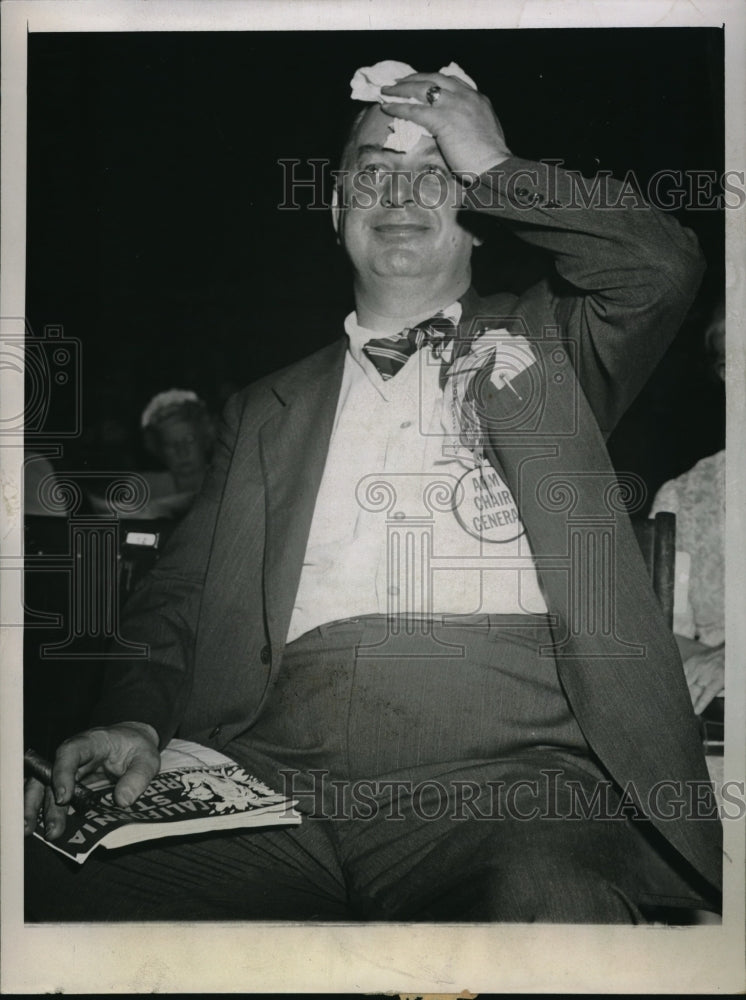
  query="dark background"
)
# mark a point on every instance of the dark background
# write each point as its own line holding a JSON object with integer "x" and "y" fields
{"x": 155, "y": 238}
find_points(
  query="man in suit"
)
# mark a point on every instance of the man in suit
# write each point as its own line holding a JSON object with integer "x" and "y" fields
{"x": 409, "y": 588}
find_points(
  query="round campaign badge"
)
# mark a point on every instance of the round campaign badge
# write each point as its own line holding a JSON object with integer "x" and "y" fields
{"x": 484, "y": 506}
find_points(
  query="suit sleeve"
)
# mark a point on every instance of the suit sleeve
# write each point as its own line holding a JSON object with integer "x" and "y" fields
{"x": 163, "y": 612}
{"x": 625, "y": 273}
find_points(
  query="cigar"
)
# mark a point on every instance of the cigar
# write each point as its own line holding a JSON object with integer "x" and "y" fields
{"x": 39, "y": 767}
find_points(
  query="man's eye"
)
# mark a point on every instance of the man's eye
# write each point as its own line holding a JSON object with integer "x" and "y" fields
{"x": 374, "y": 169}
{"x": 434, "y": 168}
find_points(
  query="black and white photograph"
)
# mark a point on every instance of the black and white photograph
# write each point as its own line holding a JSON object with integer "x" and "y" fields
{"x": 372, "y": 391}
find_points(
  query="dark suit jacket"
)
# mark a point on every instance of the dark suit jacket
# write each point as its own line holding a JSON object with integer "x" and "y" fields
{"x": 215, "y": 612}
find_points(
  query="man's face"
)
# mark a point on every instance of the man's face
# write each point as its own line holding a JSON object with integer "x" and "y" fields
{"x": 399, "y": 211}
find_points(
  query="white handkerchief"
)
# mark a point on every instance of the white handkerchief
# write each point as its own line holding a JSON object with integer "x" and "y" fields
{"x": 366, "y": 86}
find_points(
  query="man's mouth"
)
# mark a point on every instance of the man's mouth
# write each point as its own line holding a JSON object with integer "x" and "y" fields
{"x": 400, "y": 228}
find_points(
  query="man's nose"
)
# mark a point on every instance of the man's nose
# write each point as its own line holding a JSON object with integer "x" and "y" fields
{"x": 398, "y": 189}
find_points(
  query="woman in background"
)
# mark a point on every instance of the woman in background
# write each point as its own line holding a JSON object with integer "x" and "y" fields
{"x": 179, "y": 432}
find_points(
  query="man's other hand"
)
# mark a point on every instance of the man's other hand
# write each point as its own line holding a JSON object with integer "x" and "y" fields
{"x": 127, "y": 751}
{"x": 462, "y": 121}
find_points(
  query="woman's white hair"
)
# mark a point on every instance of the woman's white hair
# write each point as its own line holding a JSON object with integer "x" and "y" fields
{"x": 171, "y": 400}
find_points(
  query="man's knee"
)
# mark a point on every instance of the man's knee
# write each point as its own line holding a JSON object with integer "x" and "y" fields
{"x": 533, "y": 875}
{"x": 559, "y": 890}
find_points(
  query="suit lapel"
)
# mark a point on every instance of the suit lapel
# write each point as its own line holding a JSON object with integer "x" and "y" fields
{"x": 293, "y": 445}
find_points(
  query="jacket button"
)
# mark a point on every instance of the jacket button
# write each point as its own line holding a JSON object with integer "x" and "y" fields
{"x": 216, "y": 732}
{"x": 265, "y": 655}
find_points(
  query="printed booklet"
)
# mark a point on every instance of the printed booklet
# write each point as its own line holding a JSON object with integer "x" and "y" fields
{"x": 196, "y": 790}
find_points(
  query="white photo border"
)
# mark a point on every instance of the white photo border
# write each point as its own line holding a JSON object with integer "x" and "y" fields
{"x": 230, "y": 957}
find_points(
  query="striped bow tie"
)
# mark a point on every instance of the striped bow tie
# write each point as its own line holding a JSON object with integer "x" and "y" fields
{"x": 390, "y": 354}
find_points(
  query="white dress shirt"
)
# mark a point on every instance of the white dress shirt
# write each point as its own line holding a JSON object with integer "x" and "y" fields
{"x": 384, "y": 537}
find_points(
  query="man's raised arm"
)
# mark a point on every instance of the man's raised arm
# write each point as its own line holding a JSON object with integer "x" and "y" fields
{"x": 627, "y": 272}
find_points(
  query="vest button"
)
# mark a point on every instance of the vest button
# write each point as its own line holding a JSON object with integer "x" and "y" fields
{"x": 216, "y": 732}
{"x": 265, "y": 655}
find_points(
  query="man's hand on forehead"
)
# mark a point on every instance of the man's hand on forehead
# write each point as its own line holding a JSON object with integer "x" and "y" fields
{"x": 461, "y": 119}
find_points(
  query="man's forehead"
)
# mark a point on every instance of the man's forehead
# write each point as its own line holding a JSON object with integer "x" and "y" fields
{"x": 375, "y": 129}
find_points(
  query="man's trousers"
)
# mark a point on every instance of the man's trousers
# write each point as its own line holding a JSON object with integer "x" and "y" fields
{"x": 442, "y": 777}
